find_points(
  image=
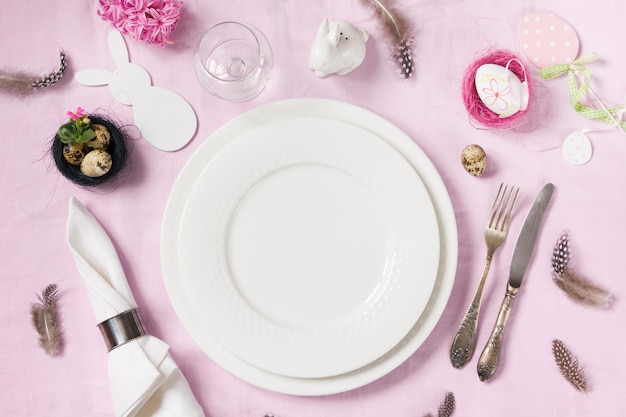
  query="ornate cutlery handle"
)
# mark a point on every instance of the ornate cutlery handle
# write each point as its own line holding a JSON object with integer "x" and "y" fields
{"x": 488, "y": 361}
{"x": 464, "y": 341}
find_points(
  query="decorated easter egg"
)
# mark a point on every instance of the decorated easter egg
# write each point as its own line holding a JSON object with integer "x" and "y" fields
{"x": 576, "y": 148}
{"x": 500, "y": 90}
{"x": 547, "y": 40}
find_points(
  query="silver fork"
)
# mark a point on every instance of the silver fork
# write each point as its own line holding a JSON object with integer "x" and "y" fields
{"x": 464, "y": 341}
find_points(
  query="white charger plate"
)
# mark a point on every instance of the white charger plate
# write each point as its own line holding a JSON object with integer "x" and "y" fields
{"x": 378, "y": 126}
{"x": 308, "y": 247}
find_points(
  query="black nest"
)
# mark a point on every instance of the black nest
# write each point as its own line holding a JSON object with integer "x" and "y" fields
{"x": 118, "y": 149}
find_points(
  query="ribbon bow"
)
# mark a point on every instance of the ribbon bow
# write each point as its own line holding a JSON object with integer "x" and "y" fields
{"x": 560, "y": 69}
{"x": 579, "y": 78}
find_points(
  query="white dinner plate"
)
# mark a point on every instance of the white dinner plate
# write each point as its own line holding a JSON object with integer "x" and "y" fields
{"x": 278, "y": 112}
{"x": 308, "y": 247}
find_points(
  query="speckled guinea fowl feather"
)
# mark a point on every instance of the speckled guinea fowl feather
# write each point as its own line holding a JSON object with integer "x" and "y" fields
{"x": 398, "y": 29}
{"x": 447, "y": 406}
{"x": 45, "y": 321}
{"x": 574, "y": 285}
{"x": 21, "y": 83}
{"x": 569, "y": 366}
{"x": 18, "y": 83}
{"x": 54, "y": 76}
{"x": 582, "y": 291}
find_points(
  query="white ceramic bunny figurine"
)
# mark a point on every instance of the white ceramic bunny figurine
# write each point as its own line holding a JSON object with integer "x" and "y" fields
{"x": 338, "y": 49}
{"x": 163, "y": 117}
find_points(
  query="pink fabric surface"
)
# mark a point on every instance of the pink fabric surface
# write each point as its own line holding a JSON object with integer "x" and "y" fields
{"x": 449, "y": 34}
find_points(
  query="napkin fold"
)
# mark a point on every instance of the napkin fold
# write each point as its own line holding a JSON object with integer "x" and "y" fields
{"x": 144, "y": 379}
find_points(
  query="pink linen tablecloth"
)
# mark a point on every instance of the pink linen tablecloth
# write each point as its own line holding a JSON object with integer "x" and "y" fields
{"x": 449, "y": 35}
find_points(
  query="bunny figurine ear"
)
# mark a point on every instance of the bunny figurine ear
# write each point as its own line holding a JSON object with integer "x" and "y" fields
{"x": 118, "y": 49}
{"x": 128, "y": 77}
{"x": 93, "y": 77}
{"x": 97, "y": 77}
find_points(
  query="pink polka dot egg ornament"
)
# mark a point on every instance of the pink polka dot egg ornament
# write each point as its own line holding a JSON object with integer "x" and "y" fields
{"x": 576, "y": 148}
{"x": 547, "y": 39}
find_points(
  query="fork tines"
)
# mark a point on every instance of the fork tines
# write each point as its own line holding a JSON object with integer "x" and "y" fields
{"x": 500, "y": 215}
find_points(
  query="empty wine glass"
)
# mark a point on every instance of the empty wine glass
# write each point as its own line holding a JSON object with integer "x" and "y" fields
{"x": 233, "y": 61}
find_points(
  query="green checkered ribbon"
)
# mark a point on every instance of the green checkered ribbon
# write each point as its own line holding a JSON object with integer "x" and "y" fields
{"x": 579, "y": 78}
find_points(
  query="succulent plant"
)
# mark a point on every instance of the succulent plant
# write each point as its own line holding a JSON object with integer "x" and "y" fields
{"x": 78, "y": 129}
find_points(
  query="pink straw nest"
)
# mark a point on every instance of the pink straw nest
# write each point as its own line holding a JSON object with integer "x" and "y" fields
{"x": 478, "y": 112}
{"x": 152, "y": 21}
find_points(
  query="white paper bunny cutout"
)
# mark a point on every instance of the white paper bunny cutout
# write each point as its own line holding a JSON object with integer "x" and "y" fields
{"x": 163, "y": 117}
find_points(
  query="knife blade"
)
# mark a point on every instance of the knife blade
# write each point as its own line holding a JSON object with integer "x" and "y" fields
{"x": 528, "y": 236}
{"x": 488, "y": 361}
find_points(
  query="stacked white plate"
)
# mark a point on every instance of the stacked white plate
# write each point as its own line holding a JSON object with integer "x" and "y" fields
{"x": 309, "y": 246}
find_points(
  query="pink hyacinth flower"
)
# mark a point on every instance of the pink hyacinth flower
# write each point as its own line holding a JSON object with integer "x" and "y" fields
{"x": 152, "y": 21}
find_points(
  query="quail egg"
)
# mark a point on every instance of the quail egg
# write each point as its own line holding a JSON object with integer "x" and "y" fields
{"x": 474, "y": 160}
{"x": 96, "y": 163}
{"x": 74, "y": 153}
{"x": 102, "y": 139}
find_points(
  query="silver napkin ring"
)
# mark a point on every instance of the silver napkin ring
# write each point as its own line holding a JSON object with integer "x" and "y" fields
{"x": 122, "y": 328}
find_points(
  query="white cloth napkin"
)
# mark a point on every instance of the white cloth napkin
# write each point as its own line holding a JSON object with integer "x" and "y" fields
{"x": 144, "y": 379}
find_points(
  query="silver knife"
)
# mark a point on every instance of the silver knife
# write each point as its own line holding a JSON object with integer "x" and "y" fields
{"x": 488, "y": 361}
